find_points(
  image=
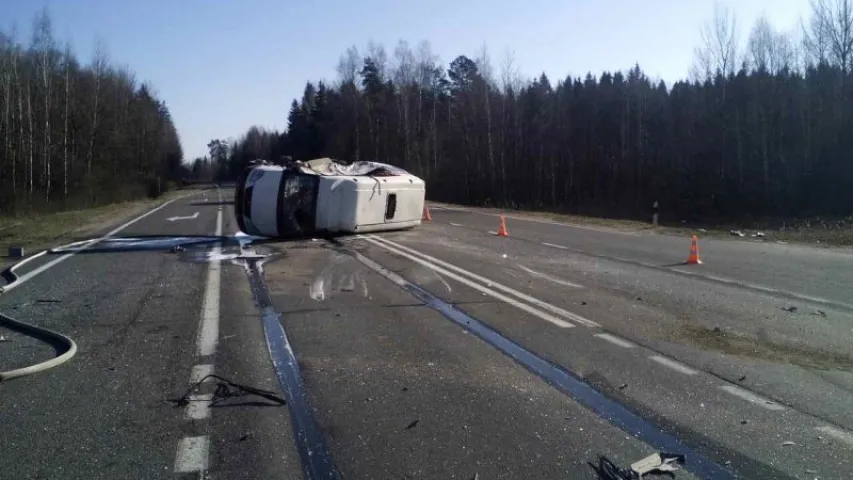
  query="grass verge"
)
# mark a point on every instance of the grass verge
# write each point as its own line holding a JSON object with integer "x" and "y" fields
{"x": 40, "y": 231}
{"x": 815, "y": 232}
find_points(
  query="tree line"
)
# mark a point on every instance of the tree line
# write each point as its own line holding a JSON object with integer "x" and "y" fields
{"x": 73, "y": 135}
{"x": 763, "y": 127}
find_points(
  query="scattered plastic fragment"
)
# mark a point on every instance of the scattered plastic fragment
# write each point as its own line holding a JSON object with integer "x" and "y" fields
{"x": 3, "y": 339}
{"x": 736, "y": 233}
{"x": 657, "y": 463}
{"x": 819, "y": 312}
{"x": 791, "y": 309}
{"x": 788, "y": 444}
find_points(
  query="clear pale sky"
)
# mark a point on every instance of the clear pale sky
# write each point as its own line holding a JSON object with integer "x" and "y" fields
{"x": 224, "y": 65}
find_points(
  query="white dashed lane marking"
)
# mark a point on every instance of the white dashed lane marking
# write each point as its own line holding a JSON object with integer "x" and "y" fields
{"x": 752, "y": 398}
{"x": 677, "y": 366}
{"x": 192, "y": 454}
{"x": 615, "y": 340}
{"x": 840, "y": 435}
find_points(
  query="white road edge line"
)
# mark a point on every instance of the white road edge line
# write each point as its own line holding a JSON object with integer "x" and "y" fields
{"x": 558, "y": 281}
{"x": 208, "y": 334}
{"x": 615, "y": 340}
{"x": 752, "y": 398}
{"x": 192, "y": 454}
{"x": 492, "y": 284}
{"x": 29, "y": 275}
{"x": 485, "y": 290}
{"x": 677, "y": 366}
{"x": 840, "y": 435}
{"x": 554, "y": 245}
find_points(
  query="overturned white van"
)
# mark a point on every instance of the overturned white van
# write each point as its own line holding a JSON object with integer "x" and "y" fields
{"x": 324, "y": 196}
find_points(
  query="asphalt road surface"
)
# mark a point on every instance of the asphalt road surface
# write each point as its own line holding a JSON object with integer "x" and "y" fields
{"x": 439, "y": 352}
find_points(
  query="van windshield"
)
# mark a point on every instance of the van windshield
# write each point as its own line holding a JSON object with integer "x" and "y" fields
{"x": 298, "y": 204}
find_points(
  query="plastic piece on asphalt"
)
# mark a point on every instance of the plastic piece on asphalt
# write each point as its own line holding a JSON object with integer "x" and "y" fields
{"x": 657, "y": 463}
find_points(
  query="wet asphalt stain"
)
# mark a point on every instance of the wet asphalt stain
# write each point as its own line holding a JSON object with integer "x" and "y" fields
{"x": 310, "y": 442}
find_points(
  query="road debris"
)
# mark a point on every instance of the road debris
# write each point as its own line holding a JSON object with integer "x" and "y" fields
{"x": 819, "y": 312}
{"x": 623, "y": 386}
{"x": 177, "y": 248}
{"x": 224, "y": 389}
{"x": 657, "y": 463}
{"x": 736, "y": 233}
{"x": 412, "y": 425}
{"x": 3, "y": 339}
{"x": 742, "y": 378}
{"x": 790, "y": 309}
{"x": 789, "y": 444}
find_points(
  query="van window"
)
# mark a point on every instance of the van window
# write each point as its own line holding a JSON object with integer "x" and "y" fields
{"x": 391, "y": 206}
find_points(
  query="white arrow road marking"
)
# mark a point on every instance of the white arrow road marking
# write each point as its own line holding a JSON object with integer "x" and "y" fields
{"x": 190, "y": 217}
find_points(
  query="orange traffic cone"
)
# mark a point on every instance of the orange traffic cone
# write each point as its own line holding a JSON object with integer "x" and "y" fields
{"x": 502, "y": 230}
{"x": 426, "y": 216}
{"x": 693, "y": 259}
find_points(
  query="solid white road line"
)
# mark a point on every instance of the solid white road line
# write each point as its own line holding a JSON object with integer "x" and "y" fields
{"x": 192, "y": 454}
{"x": 752, "y": 398}
{"x": 554, "y": 245}
{"x": 615, "y": 340}
{"x": 490, "y": 283}
{"x": 208, "y": 334}
{"x": 840, "y": 435}
{"x": 199, "y": 372}
{"x": 485, "y": 290}
{"x": 677, "y": 366}
{"x": 199, "y": 406}
{"x": 84, "y": 245}
{"x": 558, "y": 281}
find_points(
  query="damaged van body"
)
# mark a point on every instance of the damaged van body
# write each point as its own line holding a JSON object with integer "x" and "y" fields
{"x": 325, "y": 196}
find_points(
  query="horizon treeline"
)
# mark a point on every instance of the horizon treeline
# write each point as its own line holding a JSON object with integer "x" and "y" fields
{"x": 761, "y": 127}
